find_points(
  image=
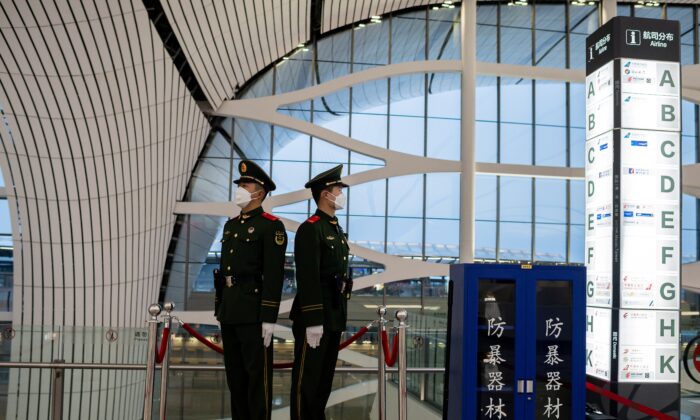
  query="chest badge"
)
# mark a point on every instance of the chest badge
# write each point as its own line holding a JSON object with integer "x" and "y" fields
{"x": 279, "y": 237}
{"x": 251, "y": 229}
{"x": 330, "y": 237}
{"x": 229, "y": 281}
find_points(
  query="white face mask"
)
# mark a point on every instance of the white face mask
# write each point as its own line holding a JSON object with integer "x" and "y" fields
{"x": 243, "y": 197}
{"x": 340, "y": 201}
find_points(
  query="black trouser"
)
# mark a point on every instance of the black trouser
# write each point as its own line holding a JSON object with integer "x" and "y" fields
{"x": 248, "y": 371}
{"x": 312, "y": 374}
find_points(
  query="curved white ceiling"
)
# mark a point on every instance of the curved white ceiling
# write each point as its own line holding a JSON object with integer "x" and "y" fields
{"x": 228, "y": 42}
{"x": 99, "y": 141}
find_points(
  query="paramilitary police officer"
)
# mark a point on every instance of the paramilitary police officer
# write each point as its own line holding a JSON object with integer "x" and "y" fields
{"x": 248, "y": 291}
{"x": 319, "y": 310}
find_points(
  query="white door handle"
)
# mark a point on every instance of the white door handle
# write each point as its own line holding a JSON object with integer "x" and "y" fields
{"x": 529, "y": 385}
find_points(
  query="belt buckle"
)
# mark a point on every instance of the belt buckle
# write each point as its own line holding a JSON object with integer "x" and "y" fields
{"x": 229, "y": 281}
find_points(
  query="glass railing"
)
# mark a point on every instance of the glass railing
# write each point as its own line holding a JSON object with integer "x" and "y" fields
{"x": 105, "y": 372}
{"x": 192, "y": 394}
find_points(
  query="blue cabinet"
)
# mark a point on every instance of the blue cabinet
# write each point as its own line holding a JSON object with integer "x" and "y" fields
{"x": 517, "y": 342}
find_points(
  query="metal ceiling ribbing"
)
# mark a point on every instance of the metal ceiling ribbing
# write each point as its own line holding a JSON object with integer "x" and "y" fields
{"x": 101, "y": 139}
{"x": 339, "y": 13}
{"x": 227, "y": 42}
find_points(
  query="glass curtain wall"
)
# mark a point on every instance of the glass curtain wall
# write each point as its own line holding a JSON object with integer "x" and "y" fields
{"x": 518, "y": 121}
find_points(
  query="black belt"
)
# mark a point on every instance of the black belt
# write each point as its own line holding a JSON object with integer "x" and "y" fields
{"x": 335, "y": 282}
{"x": 331, "y": 278}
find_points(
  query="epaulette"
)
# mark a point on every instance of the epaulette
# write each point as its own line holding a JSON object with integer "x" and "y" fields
{"x": 269, "y": 216}
{"x": 313, "y": 219}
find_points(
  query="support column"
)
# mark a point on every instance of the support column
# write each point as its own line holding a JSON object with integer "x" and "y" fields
{"x": 608, "y": 10}
{"x": 467, "y": 132}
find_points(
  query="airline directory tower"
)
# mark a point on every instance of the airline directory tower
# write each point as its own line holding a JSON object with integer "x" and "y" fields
{"x": 633, "y": 213}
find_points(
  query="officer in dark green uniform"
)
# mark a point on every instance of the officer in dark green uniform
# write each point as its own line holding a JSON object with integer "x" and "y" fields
{"x": 249, "y": 288}
{"x": 319, "y": 310}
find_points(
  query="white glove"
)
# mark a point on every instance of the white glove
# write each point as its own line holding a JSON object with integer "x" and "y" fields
{"x": 313, "y": 335}
{"x": 267, "y": 330}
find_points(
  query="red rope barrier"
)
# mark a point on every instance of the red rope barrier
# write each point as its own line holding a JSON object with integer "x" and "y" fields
{"x": 281, "y": 365}
{"x": 201, "y": 338}
{"x": 629, "y": 403}
{"x": 163, "y": 345}
{"x": 390, "y": 360}
{"x": 352, "y": 339}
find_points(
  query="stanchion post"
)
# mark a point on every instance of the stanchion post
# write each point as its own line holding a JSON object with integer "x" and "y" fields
{"x": 165, "y": 364}
{"x": 381, "y": 367}
{"x": 57, "y": 377}
{"x": 401, "y": 316}
{"x": 154, "y": 310}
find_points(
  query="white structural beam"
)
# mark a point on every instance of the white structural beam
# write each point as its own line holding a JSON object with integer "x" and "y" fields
{"x": 691, "y": 82}
{"x": 334, "y": 85}
{"x": 691, "y": 277}
{"x": 506, "y": 169}
{"x": 608, "y": 10}
{"x": 531, "y": 72}
{"x": 691, "y": 180}
{"x": 229, "y": 209}
{"x": 467, "y": 132}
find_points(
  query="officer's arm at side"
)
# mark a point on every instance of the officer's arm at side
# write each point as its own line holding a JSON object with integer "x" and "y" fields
{"x": 307, "y": 256}
{"x": 275, "y": 244}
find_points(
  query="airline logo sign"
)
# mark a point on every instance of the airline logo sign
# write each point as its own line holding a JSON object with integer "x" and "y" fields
{"x": 598, "y": 322}
{"x": 600, "y": 101}
{"x": 649, "y": 346}
{"x": 599, "y": 216}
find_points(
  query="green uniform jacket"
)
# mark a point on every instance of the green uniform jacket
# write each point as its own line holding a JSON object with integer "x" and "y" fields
{"x": 321, "y": 259}
{"x": 252, "y": 247}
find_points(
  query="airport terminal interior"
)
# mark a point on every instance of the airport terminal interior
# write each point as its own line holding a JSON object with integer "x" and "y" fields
{"x": 462, "y": 135}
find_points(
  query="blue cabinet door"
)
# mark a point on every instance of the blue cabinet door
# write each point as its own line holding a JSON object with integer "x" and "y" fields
{"x": 494, "y": 330}
{"x": 523, "y": 342}
{"x": 555, "y": 387}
